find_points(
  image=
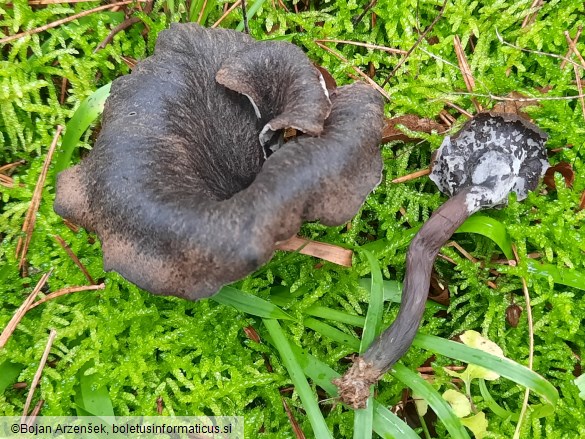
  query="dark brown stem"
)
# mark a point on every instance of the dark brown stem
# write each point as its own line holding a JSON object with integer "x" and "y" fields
{"x": 395, "y": 341}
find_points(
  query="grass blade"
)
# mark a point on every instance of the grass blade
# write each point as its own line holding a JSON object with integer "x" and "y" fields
{"x": 493, "y": 405}
{"x": 251, "y": 12}
{"x": 297, "y": 376}
{"x": 376, "y": 304}
{"x": 496, "y": 231}
{"x": 490, "y": 228}
{"x": 92, "y": 399}
{"x": 434, "y": 399}
{"x": 250, "y": 304}
{"x": 335, "y": 315}
{"x": 363, "y": 423}
{"x": 503, "y": 366}
{"x": 8, "y": 374}
{"x": 386, "y": 424}
{"x": 564, "y": 276}
{"x": 392, "y": 289}
{"x": 88, "y": 111}
{"x": 332, "y": 333}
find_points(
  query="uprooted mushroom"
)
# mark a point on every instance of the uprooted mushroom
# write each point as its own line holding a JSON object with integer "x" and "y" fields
{"x": 189, "y": 186}
{"x": 493, "y": 155}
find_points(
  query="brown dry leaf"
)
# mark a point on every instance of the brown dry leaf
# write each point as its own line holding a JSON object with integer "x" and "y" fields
{"x": 563, "y": 168}
{"x": 411, "y": 122}
{"x": 439, "y": 290}
{"x": 513, "y": 313}
{"x": 252, "y": 334}
{"x": 513, "y": 106}
{"x": 329, "y": 252}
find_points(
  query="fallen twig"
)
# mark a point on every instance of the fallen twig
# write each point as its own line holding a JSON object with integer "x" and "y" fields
{"x": 55, "y": 2}
{"x": 226, "y": 13}
{"x": 6, "y": 181}
{"x": 75, "y": 259}
{"x": 570, "y": 51}
{"x": 447, "y": 118}
{"x": 529, "y": 19}
{"x": 574, "y": 49}
{"x": 580, "y": 88}
{"x": 37, "y": 377}
{"x": 536, "y": 52}
{"x": 299, "y": 433}
{"x": 58, "y": 23}
{"x": 21, "y": 311}
{"x": 366, "y": 45}
{"x": 412, "y": 176}
{"x": 65, "y": 291}
{"x": 464, "y": 252}
{"x": 415, "y": 45}
{"x": 364, "y": 12}
{"x": 467, "y": 114}
{"x": 9, "y": 166}
{"x": 358, "y": 71}
{"x": 63, "y": 90}
{"x": 505, "y": 98}
{"x": 117, "y": 29}
{"x": 123, "y": 26}
{"x": 30, "y": 219}
{"x": 465, "y": 70}
{"x": 200, "y": 17}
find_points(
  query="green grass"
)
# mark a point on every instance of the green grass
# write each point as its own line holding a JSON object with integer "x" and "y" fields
{"x": 121, "y": 349}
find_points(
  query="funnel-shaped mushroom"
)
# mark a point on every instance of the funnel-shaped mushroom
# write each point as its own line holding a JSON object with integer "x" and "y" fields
{"x": 183, "y": 187}
{"x": 493, "y": 155}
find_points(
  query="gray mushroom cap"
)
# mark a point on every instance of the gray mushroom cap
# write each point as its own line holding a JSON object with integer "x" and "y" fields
{"x": 495, "y": 154}
{"x": 181, "y": 186}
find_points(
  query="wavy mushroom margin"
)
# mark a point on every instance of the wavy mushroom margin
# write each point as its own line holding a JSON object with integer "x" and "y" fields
{"x": 186, "y": 186}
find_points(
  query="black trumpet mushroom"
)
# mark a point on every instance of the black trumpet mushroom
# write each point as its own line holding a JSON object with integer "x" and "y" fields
{"x": 189, "y": 185}
{"x": 493, "y": 155}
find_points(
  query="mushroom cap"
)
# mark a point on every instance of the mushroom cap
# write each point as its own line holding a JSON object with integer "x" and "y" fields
{"x": 180, "y": 186}
{"x": 495, "y": 154}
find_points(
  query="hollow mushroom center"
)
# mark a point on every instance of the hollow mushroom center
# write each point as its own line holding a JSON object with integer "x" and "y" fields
{"x": 221, "y": 151}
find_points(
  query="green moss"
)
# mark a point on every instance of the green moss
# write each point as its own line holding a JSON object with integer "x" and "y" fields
{"x": 195, "y": 356}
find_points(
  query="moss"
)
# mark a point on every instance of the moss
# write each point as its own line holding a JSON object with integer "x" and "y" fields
{"x": 196, "y": 355}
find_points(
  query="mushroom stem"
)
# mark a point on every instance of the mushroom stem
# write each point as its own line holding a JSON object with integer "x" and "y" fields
{"x": 395, "y": 341}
